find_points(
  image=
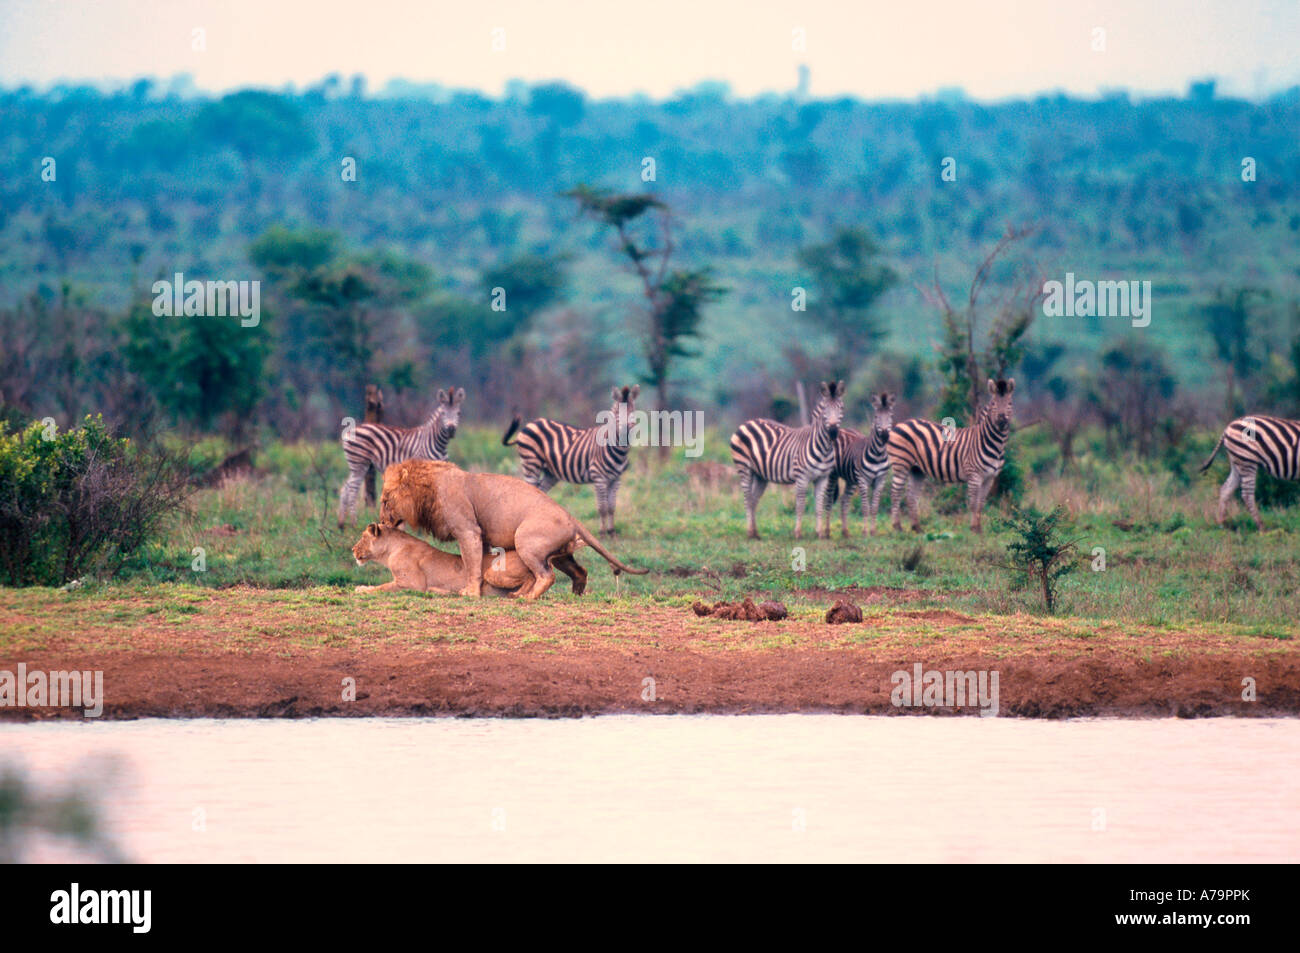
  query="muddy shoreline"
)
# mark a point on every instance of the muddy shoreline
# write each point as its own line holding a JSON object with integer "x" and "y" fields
{"x": 576, "y": 682}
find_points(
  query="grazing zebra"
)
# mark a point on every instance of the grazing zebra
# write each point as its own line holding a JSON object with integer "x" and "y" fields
{"x": 381, "y": 446}
{"x": 550, "y": 451}
{"x": 769, "y": 452}
{"x": 374, "y": 415}
{"x": 972, "y": 455}
{"x": 1253, "y": 442}
{"x": 862, "y": 463}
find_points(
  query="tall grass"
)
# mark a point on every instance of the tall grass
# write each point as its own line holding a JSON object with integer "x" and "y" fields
{"x": 1165, "y": 561}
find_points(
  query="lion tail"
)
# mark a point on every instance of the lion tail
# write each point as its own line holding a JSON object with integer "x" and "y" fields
{"x": 594, "y": 543}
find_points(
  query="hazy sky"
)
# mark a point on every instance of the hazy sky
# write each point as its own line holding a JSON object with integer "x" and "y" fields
{"x": 901, "y": 48}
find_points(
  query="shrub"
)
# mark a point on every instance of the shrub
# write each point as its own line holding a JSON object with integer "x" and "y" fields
{"x": 1038, "y": 551}
{"x": 1272, "y": 493}
{"x": 80, "y": 501}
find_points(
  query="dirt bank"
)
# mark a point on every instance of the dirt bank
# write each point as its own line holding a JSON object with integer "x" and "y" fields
{"x": 256, "y": 653}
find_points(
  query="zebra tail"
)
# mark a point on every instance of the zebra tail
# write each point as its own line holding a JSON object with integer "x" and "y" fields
{"x": 1217, "y": 447}
{"x": 514, "y": 426}
{"x": 594, "y": 543}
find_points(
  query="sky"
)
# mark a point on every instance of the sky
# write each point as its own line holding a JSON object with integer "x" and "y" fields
{"x": 901, "y": 49}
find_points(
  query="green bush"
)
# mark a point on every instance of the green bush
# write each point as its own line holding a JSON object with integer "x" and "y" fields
{"x": 1038, "y": 552}
{"x": 79, "y": 501}
{"x": 1273, "y": 493}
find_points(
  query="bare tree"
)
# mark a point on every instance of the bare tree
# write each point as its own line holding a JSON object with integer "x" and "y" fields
{"x": 963, "y": 365}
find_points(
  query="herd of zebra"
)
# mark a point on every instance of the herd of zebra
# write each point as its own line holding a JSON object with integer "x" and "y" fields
{"x": 818, "y": 455}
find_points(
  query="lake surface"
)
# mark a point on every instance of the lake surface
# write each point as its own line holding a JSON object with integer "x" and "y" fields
{"x": 697, "y": 788}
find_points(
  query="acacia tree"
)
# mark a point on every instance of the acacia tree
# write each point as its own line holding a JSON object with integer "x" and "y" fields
{"x": 962, "y": 362}
{"x": 674, "y": 299}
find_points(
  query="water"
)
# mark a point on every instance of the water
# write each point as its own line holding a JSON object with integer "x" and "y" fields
{"x": 716, "y": 788}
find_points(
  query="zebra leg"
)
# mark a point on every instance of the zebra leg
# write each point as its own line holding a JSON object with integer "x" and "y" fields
{"x": 844, "y": 511}
{"x": 613, "y": 501}
{"x": 1248, "y": 495}
{"x": 900, "y": 492}
{"x": 913, "y": 505}
{"x": 822, "y": 506}
{"x": 602, "y": 506}
{"x": 800, "y": 501}
{"x": 877, "y": 488}
{"x": 1225, "y": 492}
{"x": 753, "y": 488}
{"x": 348, "y": 495}
{"x": 539, "y": 477}
{"x": 370, "y": 486}
{"x": 974, "y": 499}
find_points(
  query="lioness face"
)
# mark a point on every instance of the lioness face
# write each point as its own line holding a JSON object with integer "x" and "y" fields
{"x": 371, "y": 545}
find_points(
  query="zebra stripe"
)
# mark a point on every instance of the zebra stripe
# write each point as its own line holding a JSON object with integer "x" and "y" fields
{"x": 380, "y": 446}
{"x": 862, "y": 462}
{"x": 973, "y": 455}
{"x": 1253, "y": 442}
{"x": 550, "y": 451}
{"x": 766, "y": 451}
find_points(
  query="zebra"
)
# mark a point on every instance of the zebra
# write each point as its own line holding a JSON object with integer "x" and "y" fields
{"x": 973, "y": 455}
{"x": 380, "y": 446}
{"x": 1253, "y": 442}
{"x": 550, "y": 451}
{"x": 862, "y": 463}
{"x": 766, "y": 452}
{"x": 374, "y": 415}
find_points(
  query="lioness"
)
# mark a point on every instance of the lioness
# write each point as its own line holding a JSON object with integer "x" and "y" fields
{"x": 477, "y": 508}
{"x": 417, "y": 565}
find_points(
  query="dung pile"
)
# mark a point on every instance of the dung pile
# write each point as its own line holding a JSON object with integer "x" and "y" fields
{"x": 843, "y": 611}
{"x": 745, "y": 611}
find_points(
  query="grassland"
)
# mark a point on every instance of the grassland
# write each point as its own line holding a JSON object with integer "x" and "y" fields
{"x": 258, "y": 570}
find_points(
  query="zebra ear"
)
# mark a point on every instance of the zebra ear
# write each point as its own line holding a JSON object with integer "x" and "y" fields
{"x": 636, "y": 390}
{"x": 460, "y": 395}
{"x": 1011, "y": 384}
{"x": 442, "y": 396}
{"x": 826, "y": 388}
{"x": 993, "y": 387}
{"x": 615, "y": 394}
{"x": 840, "y": 388}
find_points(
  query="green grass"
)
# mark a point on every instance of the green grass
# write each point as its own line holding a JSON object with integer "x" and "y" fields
{"x": 1166, "y": 564}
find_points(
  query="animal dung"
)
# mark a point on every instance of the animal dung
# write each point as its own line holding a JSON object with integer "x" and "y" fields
{"x": 843, "y": 611}
{"x": 745, "y": 611}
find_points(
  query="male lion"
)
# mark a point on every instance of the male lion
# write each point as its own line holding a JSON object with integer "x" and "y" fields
{"x": 486, "y": 508}
{"x": 417, "y": 565}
